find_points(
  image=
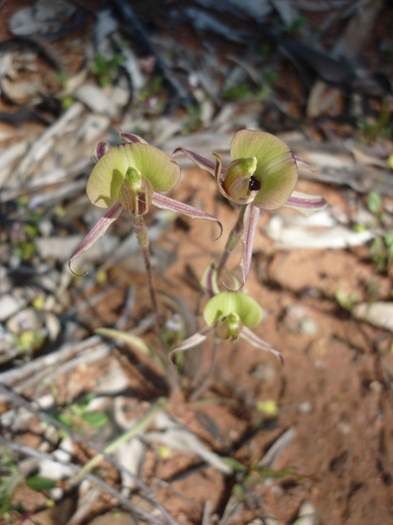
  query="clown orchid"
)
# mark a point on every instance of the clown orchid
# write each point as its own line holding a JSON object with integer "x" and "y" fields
{"x": 230, "y": 316}
{"x": 262, "y": 175}
{"x": 130, "y": 178}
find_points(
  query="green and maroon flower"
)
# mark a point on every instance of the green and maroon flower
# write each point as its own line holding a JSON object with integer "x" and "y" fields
{"x": 262, "y": 175}
{"x": 130, "y": 178}
{"x": 230, "y": 316}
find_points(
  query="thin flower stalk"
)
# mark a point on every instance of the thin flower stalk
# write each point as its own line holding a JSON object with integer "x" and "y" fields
{"x": 143, "y": 240}
{"x": 233, "y": 240}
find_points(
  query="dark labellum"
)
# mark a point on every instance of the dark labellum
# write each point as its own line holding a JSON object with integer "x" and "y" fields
{"x": 254, "y": 184}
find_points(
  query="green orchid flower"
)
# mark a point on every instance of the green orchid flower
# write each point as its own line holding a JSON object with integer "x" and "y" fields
{"x": 130, "y": 178}
{"x": 230, "y": 316}
{"x": 262, "y": 175}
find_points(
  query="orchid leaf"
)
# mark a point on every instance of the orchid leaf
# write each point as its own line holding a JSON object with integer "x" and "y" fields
{"x": 250, "y": 223}
{"x": 276, "y": 168}
{"x": 201, "y": 161}
{"x": 306, "y": 203}
{"x": 95, "y": 233}
{"x": 249, "y": 336}
{"x": 166, "y": 203}
{"x": 225, "y": 303}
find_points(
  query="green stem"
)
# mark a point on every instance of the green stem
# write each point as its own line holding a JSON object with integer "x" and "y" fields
{"x": 232, "y": 241}
{"x": 136, "y": 429}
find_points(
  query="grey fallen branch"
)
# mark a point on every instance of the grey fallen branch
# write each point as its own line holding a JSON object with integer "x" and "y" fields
{"x": 95, "y": 480}
{"x": 146, "y": 492}
{"x": 38, "y": 368}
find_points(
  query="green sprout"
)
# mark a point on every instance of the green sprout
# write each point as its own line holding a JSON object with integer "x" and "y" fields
{"x": 78, "y": 415}
{"x": 105, "y": 69}
{"x": 381, "y": 252}
{"x": 374, "y": 203}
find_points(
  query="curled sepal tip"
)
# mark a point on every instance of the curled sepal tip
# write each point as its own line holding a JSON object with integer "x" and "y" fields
{"x": 249, "y": 336}
{"x": 166, "y": 203}
{"x": 98, "y": 230}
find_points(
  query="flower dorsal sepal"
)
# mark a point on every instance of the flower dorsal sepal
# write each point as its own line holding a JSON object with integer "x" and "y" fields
{"x": 135, "y": 168}
{"x": 229, "y": 312}
{"x": 275, "y": 169}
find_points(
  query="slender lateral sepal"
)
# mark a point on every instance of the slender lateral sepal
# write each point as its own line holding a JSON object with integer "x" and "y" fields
{"x": 251, "y": 217}
{"x": 191, "y": 342}
{"x": 166, "y": 203}
{"x": 210, "y": 280}
{"x": 98, "y": 230}
{"x": 201, "y": 161}
{"x": 249, "y": 336}
{"x": 306, "y": 203}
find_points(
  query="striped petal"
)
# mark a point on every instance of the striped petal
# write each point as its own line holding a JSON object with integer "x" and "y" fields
{"x": 199, "y": 160}
{"x": 166, "y": 203}
{"x": 306, "y": 203}
{"x": 250, "y": 223}
{"x": 95, "y": 233}
{"x": 249, "y": 336}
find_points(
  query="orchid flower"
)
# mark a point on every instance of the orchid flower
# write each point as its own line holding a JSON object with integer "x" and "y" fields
{"x": 131, "y": 177}
{"x": 262, "y": 175}
{"x": 230, "y": 316}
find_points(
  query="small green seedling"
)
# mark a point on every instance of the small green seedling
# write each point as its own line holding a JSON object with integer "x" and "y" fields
{"x": 105, "y": 69}
{"x": 374, "y": 203}
{"x": 78, "y": 415}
